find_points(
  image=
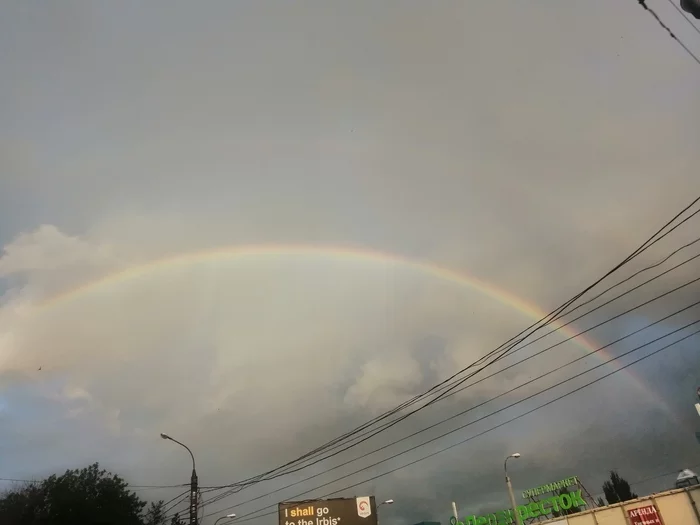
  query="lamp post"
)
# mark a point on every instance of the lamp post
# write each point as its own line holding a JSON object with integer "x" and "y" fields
{"x": 228, "y": 516}
{"x": 518, "y": 521}
{"x": 386, "y": 502}
{"x": 193, "y": 481}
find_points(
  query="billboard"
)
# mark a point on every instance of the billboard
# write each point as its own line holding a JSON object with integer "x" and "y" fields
{"x": 337, "y": 511}
{"x": 560, "y": 500}
{"x": 644, "y": 516}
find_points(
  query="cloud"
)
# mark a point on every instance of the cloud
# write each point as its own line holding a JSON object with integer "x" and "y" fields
{"x": 44, "y": 249}
{"x": 218, "y": 344}
{"x": 409, "y": 130}
{"x": 385, "y": 382}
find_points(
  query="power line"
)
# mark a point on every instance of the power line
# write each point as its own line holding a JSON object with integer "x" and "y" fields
{"x": 656, "y": 237}
{"x": 668, "y": 30}
{"x": 240, "y": 487}
{"x": 680, "y": 11}
{"x": 287, "y": 471}
{"x": 18, "y": 480}
{"x": 672, "y": 472}
{"x": 453, "y": 392}
{"x": 249, "y": 517}
{"x": 181, "y": 498}
{"x": 144, "y": 489}
{"x": 645, "y": 303}
{"x": 501, "y": 410}
{"x": 159, "y": 486}
{"x": 128, "y": 486}
{"x": 487, "y": 401}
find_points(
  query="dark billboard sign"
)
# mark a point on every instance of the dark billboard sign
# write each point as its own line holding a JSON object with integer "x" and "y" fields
{"x": 337, "y": 511}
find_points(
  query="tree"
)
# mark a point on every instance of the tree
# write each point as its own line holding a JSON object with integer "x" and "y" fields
{"x": 176, "y": 520}
{"x": 87, "y": 496}
{"x": 600, "y": 502}
{"x": 617, "y": 489}
{"x": 21, "y": 504}
{"x": 155, "y": 515}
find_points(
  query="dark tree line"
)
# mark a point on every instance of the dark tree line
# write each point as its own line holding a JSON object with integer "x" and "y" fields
{"x": 88, "y": 496}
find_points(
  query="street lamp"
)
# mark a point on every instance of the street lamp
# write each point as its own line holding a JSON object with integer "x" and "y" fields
{"x": 228, "y": 516}
{"x": 193, "y": 481}
{"x": 386, "y": 502}
{"x": 518, "y": 521}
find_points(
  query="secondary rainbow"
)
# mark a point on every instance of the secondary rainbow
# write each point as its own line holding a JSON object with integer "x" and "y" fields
{"x": 528, "y": 309}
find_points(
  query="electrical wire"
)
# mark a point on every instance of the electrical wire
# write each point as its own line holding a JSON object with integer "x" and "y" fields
{"x": 492, "y": 413}
{"x": 546, "y": 349}
{"x": 645, "y": 303}
{"x": 533, "y": 380}
{"x": 13, "y": 480}
{"x": 180, "y": 497}
{"x": 680, "y": 11}
{"x": 453, "y": 392}
{"x": 534, "y": 327}
{"x": 249, "y": 516}
{"x": 672, "y": 472}
{"x": 655, "y": 238}
{"x": 479, "y": 405}
{"x": 668, "y": 30}
{"x": 659, "y": 235}
{"x": 129, "y": 486}
{"x": 202, "y": 504}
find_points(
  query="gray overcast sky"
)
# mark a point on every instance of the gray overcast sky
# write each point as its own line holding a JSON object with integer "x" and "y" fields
{"x": 529, "y": 146}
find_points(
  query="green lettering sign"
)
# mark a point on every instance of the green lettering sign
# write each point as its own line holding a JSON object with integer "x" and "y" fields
{"x": 550, "y": 487}
{"x": 565, "y": 501}
{"x": 533, "y": 509}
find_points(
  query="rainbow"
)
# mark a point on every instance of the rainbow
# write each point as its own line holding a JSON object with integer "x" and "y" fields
{"x": 526, "y": 308}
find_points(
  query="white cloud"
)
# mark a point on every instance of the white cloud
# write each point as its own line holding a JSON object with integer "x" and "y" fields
{"x": 385, "y": 382}
{"x": 48, "y": 249}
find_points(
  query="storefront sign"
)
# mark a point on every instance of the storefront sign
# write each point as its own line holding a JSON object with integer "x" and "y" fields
{"x": 545, "y": 507}
{"x": 644, "y": 516}
{"x": 551, "y": 487}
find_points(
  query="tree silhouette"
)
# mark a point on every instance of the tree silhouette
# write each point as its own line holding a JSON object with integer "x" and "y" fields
{"x": 155, "y": 515}
{"x": 600, "y": 502}
{"x": 617, "y": 489}
{"x": 21, "y": 505}
{"x": 176, "y": 520}
{"x": 87, "y": 496}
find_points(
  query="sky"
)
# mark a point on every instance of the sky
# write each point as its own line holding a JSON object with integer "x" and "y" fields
{"x": 321, "y": 182}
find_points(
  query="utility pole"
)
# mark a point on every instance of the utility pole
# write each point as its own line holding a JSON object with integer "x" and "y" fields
{"x": 193, "y": 497}
{"x": 193, "y": 481}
